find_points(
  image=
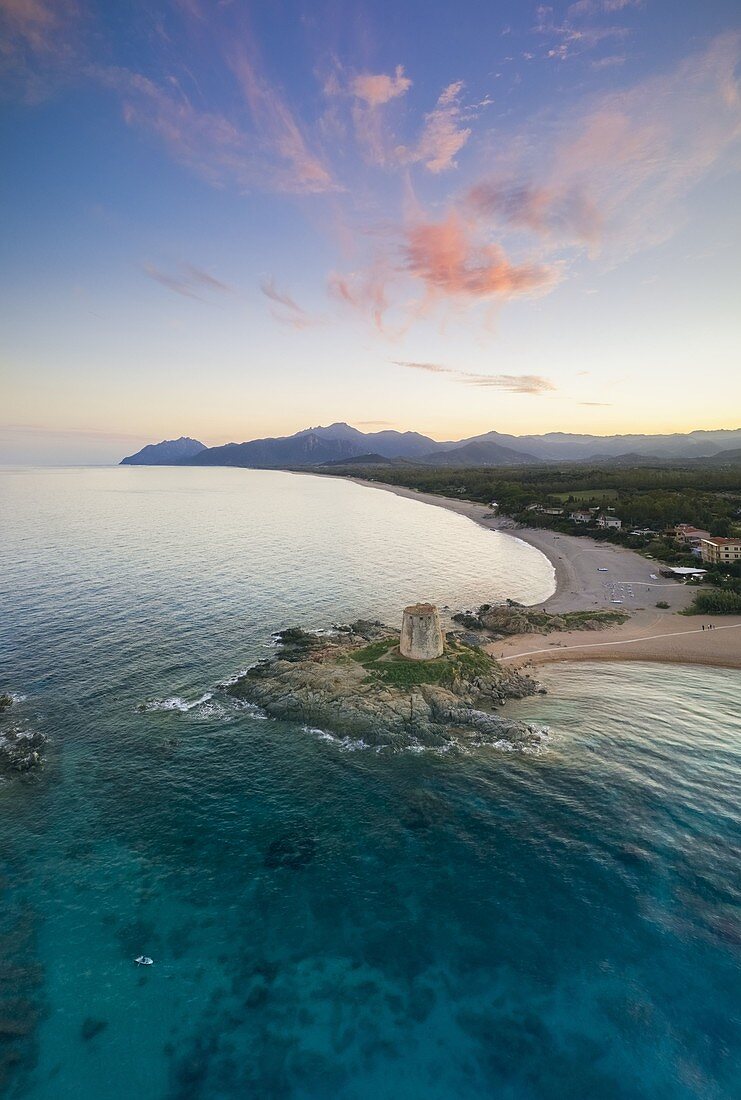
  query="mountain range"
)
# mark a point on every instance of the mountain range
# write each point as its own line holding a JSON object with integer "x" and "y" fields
{"x": 338, "y": 443}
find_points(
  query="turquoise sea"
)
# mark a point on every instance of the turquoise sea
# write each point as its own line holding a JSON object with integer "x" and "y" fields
{"x": 327, "y": 920}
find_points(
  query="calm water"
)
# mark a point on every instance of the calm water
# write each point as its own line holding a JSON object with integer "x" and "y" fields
{"x": 446, "y": 925}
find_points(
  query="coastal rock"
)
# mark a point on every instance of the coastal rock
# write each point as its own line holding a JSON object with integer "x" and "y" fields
{"x": 355, "y": 681}
{"x": 21, "y": 749}
{"x": 507, "y": 620}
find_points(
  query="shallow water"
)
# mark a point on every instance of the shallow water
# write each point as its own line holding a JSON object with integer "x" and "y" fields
{"x": 327, "y": 920}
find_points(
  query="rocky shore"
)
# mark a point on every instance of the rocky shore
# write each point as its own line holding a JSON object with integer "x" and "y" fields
{"x": 354, "y": 681}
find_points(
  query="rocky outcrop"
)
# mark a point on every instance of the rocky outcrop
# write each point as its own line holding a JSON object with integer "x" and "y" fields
{"x": 506, "y": 620}
{"x": 355, "y": 681}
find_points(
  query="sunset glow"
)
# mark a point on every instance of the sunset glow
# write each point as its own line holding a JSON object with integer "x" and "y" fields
{"x": 234, "y": 220}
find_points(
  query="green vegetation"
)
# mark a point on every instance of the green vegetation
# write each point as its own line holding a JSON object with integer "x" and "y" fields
{"x": 662, "y": 604}
{"x": 373, "y": 652}
{"x": 718, "y": 602}
{"x": 656, "y": 497}
{"x": 586, "y": 496}
{"x": 382, "y": 661}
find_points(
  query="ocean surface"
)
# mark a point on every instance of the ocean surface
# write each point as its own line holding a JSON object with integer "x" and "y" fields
{"x": 327, "y": 920}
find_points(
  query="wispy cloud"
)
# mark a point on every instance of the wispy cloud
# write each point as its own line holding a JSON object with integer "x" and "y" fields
{"x": 271, "y": 155}
{"x": 563, "y": 210}
{"x": 596, "y": 404}
{"x": 612, "y": 61}
{"x": 584, "y": 8}
{"x": 289, "y": 312}
{"x": 573, "y": 36}
{"x": 616, "y": 176}
{"x": 431, "y": 368}
{"x": 514, "y": 383}
{"x": 38, "y": 45}
{"x": 279, "y": 129}
{"x": 364, "y": 290}
{"x": 187, "y": 280}
{"x": 442, "y": 137}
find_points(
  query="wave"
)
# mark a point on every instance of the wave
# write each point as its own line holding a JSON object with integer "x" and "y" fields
{"x": 207, "y": 707}
{"x": 176, "y": 702}
{"x": 533, "y": 743}
{"x": 345, "y": 744}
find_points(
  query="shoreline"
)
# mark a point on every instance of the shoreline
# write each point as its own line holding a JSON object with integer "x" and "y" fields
{"x": 592, "y": 575}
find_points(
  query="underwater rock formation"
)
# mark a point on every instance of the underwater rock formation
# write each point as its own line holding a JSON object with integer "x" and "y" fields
{"x": 21, "y": 749}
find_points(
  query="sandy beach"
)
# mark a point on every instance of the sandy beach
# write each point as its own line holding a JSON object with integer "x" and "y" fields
{"x": 590, "y": 575}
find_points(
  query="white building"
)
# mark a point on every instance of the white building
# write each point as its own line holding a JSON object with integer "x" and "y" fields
{"x": 609, "y": 521}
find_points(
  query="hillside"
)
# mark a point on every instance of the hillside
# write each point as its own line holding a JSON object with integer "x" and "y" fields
{"x": 170, "y": 452}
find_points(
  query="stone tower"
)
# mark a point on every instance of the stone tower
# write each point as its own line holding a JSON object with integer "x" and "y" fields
{"x": 421, "y": 634}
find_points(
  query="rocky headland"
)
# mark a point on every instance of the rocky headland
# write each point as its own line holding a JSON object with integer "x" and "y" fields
{"x": 354, "y": 681}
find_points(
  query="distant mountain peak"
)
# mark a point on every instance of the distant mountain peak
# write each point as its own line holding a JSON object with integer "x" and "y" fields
{"x": 169, "y": 452}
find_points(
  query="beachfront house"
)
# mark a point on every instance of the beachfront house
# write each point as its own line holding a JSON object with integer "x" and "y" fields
{"x": 580, "y": 516}
{"x": 689, "y": 535}
{"x": 609, "y": 521}
{"x": 721, "y": 551}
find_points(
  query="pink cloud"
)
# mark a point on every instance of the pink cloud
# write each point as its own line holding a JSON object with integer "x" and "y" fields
{"x": 213, "y": 146}
{"x": 38, "y": 44}
{"x": 443, "y": 257}
{"x": 442, "y": 137}
{"x": 278, "y": 127}
{"x": 375, "y": 89}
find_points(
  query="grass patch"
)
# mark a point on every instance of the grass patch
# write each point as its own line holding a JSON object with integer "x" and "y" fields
{"x": 373, "y": 652}
{"x": 383, "y": 662}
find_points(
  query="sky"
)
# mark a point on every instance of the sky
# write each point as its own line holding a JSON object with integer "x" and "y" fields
{"x": 232, "y": 219}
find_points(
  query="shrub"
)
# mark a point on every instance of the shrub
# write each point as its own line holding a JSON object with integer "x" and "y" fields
{"x": 718, "y": 602}
{"x": 662, "y": 604}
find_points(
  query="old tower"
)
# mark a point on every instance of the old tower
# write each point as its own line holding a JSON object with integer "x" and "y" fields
{"x": 421, "y": 633}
